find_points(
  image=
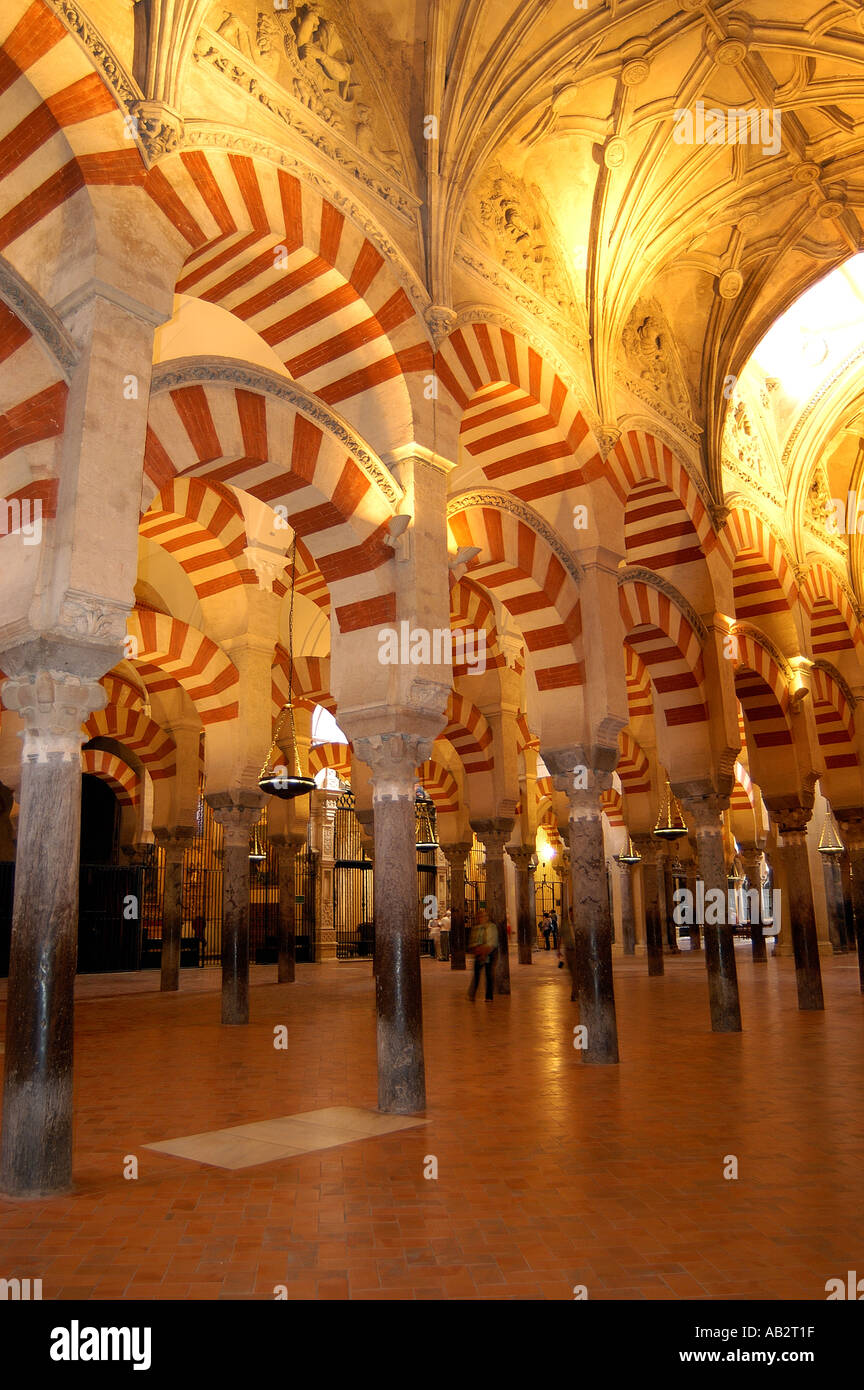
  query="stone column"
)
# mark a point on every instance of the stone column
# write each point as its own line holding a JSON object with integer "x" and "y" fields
{"x": 834, "y": 902}
{"x": 628, "y": 929}
{"x": 323, "y": 842}
{"x": 852, "y": 829}
{"x": 802, "y": 917}
{"x": 36, "y": 1157}
{"x": 591, "y": 933}
{"x": 494, "y": 836}
{"x": 525, "y": 929}
{"x": 236, "y": 813}
{"x": 393, "y": 759}
{"x": 670, "y": 943}
{"x": 705, "y": 815}
{"x": 695, "y": 927}
{"x": 288, "y": 851}
{"x": 456, "y": 856}
{"x": 654, "y": 887}
{"x": 175, "y": 843}
{"x": 847, "y": 915}
{"x": 751, "y": 861}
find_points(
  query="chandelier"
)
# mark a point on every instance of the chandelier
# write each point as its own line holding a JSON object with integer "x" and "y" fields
{"x": 670, "y": 820}
{"x": 629, "y": 854}
{"x": 425, "y": 831}
{"x": 277, "y": 779}
{"x": 829, "y": 840}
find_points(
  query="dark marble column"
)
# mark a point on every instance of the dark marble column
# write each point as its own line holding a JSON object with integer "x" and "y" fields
{"x": 236, "y": 813}
{"x": 670, "y": 944}
{"x": 834, "y": 902}
{"x": 592, "y": 924}
{"x": 848, "y": 915}
{"x": 36, "y": 1158}
{"x": 628, "y": 930}
{"x": 751, "y": 860}
{"x": 175, "y": 843}
{"x": 852, "y": 829}
{"x": 705, "y": 816}
{"x": 654, "y": 886}
{"x": 692, "y": 874}
{"x": 494, "y": 836}
{"x": 393, "y": 759}
{"x": 808, "y": 975}
{"x": 525, "y": 928}
{"x": 288, "y": 851}
{"x": 456, "y": 856}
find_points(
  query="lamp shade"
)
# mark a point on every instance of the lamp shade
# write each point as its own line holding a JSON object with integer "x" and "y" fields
{"x": 670, "y": 821}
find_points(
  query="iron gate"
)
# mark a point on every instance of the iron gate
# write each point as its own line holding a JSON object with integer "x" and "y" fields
{"x": 352, "y": 885}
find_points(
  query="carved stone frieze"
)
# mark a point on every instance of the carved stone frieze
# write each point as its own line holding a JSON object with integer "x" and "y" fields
{"x": 296, "y": 63}
{"x": 490, "y": 271}
{"x": 650, "y": 360}
{"x": 38, "y": 316}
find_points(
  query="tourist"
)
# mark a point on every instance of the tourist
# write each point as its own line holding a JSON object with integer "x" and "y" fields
{"x": 484, "y": 947}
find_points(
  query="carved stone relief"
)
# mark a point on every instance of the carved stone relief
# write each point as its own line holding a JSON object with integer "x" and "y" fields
{"x": 649, "y": 359}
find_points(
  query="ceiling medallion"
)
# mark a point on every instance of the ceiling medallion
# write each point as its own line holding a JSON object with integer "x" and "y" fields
{"x": 807, "y": 173}
{"x": 635, "y": 72}
{"x": 730, "y": 284}
{"x": 615, "y": 152}
{"x": 730, "y": 53}
{"x": 830, "y": 207}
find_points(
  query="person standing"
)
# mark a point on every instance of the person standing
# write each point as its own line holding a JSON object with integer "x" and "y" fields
{"x": 445, "y": 936}
{"x": 483, "y": 946}
{"x": 553, "y": 920}
{"x": 435, "y": 938}
{"x": 546, "y": 928}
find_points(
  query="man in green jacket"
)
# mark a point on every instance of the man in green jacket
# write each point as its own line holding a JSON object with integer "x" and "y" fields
{"x": 483, "y": 945}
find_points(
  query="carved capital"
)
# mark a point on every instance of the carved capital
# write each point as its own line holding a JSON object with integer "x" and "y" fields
{"x": 158, "y": 128}
{"x": 493, "y": 834}
{"x": 456, "y": 854}
{"x": 440, "y": 321}
{"x": 521, "y": 856}
{"x": 53, "y": 705}
{"x": 704, "y": 813}
{"x": 236, "y": 812}
{"x": 393, "y": 760}
{"x": 175, "y": 840}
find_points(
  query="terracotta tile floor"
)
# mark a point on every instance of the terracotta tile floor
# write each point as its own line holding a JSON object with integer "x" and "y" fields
{"x": 550, "y": 1173}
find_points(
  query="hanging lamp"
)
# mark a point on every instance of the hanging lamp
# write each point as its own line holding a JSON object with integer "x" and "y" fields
{"x": 670, "y": 821}
{"x": 425, "y": 831}
{"x": 257, "y": 850}
{"x": 629, "y": 854}
{"x": 829, "y": 840}
{"x": 286, "y": 780}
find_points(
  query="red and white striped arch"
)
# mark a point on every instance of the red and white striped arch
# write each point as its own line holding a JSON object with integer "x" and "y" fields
{"x": 311, "y": 680}
{"x": 123, "y": 779}
{"x": 658, "y": 532}
{"x": 638, "y": 457}
{"x": 142, "y": 736}
{"x": 833, "y": 626}
{"x": 633, "y": 770}
{"x": 613, "y": 806}
{"x": 531, "y": 582}
{"x": 669, "y": 648}
{"x": 272, "y": 251}
{"x": 835, "y": 724}
{"x": 743, "y": 794}
{"x": 525, "y": 738}
{"x": 763, "y": 694}
{"x": 201, "y": 524}
{"x": 275, "y": 452}
{"x": 336, "y": 756}
{"x": 519, "y": 421}
{"x": 440, "y": 783}
{"x": 640, "y": 702}
{"x": 469, "y": 734}
{"x": 189, "y": 658}
{"x": 61, "y": 131}
{"x": 471, "y": 609}
{"x": 33, "y": 396}
{"x": 763, "y": 579}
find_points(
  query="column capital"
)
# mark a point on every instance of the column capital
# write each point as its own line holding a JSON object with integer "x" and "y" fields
{"x": 704, "y": 812}
{"x": 792, "y": 819}
{"x": 494, "y": 834}
{"x": 521, "y": 855}
{"x": 456, "y": 854}
{"x": 648, "y": 848}
{"x": 175, "y": 840}
{"x": 236, "y": 812}
{"x": 393, "y": 759}
{"x": 851, "y": 823}
{"x": 52, "y": 706}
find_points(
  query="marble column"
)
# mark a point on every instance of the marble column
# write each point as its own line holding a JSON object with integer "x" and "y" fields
{"x": 834, "y": 902}
{"x": 670, "y": 943}
{"x": 751, "y": 861}
{"x": 705, "y": 816}
{"x": 494, "y": 836}
{"x": 848, "y": 915}
{"x": 288, "y": 851}
{"x": 802, "y": 916}
{"x": 628, "y": 929}
{"x": 852, "y": 829}
{"x": 175, "y": 843}
{"x": 525, "y": 929}
{"x": 36, "y": 1157}
{"x": 591, "y": 931}
{"x": 654, "y": 886}
{"x": 456, "y": 856}
{"x": 236, "y": 813}
{"x": 393, "y": 759}
{"x": 692, "y": 874}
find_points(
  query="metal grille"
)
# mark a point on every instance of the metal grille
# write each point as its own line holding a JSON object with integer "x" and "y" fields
{"x": 352, "y": 885}
{"x": 427, "y": 872}
{"x": 475, "y": 882}
{"x": 304, "y": 904}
